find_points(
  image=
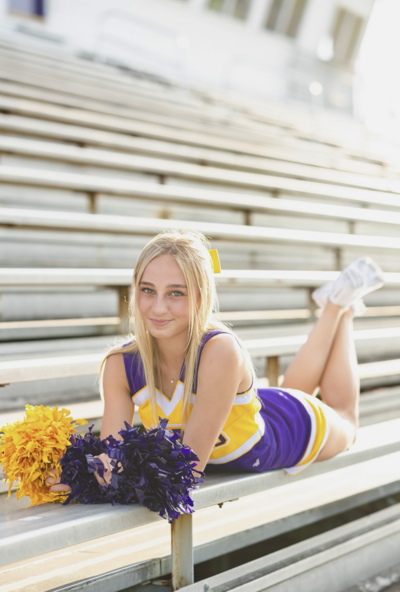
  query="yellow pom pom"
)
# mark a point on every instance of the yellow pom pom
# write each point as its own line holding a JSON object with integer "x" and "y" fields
{"x": 31, "y": 447}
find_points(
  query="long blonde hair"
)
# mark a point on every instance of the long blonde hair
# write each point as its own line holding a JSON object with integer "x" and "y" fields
{"x": 190, "y": 251}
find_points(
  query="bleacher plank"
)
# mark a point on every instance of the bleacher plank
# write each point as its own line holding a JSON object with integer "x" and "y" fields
{"x": 241, "y": 316}
{"x": 43, "y": 323}
{"x": 101, "y": 277}
{"x": 125, "y": 187}
{"x": 48, "y": 368}
{"x": 14, "y": 371}
{"x": 278, "y": 158}
{"x": 356, "y": 144}
{"x": 262, "y": 516}
{"x": 126, "y": 125}
{"x": 95, "y": 157}
{"x": 296, "y": 116}
{"x": 152, "y": 126}
{"x": 311, "y": 125}
{"x": 346, "y": 554}
{"x": 57, "y": 527}
{"x": 375, "y": 407}
{"x": 143, "y": 110}
{"x": 379, "y": 405}
{"x": 80, "y": 85}
{"x": 71, "y": 221}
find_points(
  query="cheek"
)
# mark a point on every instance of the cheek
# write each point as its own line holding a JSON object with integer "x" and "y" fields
{"x": 180, "y": 308}
{"x": 144, "y": 304}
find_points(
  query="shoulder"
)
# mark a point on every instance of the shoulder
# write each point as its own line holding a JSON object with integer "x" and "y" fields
{"x": 222, "y": 366}
{"x": 223, "y": 348}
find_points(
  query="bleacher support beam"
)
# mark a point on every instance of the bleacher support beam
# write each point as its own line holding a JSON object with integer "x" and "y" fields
{"x": 182, "y": 551}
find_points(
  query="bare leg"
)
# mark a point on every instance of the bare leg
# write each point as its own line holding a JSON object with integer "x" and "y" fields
{"x": 308, "y": 366}
{"x": 328, "y": 360}
{"x": 340, "y": 384}
{"x": 340, "y": 390}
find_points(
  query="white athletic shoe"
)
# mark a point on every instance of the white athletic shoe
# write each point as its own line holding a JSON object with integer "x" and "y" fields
{"x": 359, "y": 308}
{"x": 358, "y": 279}
{"x": 321, "y": 295}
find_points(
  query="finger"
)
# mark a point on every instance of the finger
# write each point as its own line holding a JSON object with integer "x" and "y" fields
{"x": 106, "y": 478}
{"x": 52, "y": 480}
{"x": 101, "y": 474}
{"x": 99, "y": 479}
{"x": 60, "y": 488}
{"x": 108, "y": 471}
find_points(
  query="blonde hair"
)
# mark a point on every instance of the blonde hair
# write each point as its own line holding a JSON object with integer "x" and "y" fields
{"x": 190, "y": 251}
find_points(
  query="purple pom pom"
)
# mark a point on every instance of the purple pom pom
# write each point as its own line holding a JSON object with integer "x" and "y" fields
{"x": 77, "y": 468}
{"x": 158, "y": 470}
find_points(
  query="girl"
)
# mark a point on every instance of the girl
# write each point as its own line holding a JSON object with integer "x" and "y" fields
{"x": 183, "y": 365}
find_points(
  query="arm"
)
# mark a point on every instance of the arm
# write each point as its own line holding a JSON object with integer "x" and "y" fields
{"x": 118, "y": 407}
{"x": 222, "y": 372}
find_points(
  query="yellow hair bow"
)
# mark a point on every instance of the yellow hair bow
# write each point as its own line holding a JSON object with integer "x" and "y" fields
{"x": 215, "y": 264}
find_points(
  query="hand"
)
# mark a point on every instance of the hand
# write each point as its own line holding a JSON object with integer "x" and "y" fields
{"x": 54, "y": 484}
{"x": 108, "y": 467}
{"x": 57, "y": 487}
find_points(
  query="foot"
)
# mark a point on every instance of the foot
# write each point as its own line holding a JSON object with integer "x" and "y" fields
{"x": 321, "y": 296}
{"x": 358, "y": 279}
{"x": 359, "y": 308}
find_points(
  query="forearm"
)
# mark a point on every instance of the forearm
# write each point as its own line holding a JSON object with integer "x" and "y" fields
{"x": 201, "y": 441}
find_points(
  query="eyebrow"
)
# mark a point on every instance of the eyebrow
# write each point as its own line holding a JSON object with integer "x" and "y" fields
{"x": 168, "y": 286}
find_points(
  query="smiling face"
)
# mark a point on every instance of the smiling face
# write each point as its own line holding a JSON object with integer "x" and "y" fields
{"x": 163, "y": 298}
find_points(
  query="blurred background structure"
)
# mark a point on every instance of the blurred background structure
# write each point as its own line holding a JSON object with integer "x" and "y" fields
{"x": 284, "y": 49}
{"x": 246, "y": 119}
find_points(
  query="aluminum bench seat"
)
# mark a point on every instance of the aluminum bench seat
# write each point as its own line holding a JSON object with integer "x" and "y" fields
{"x": 254, "y": 158}
{"x": 355, "y": 140}
{"x": 276, "y": 185}
{"x": 53, "y": 527}
{"x": 71, "y": 374}
{"x": 114, "y": 123}
{"x": 95, "y": 184}
{"x": 167, "y": 167}
{"x": 216, "y": 531}
{"x": 101, "y": 223}
{"x": 26, "y": 370}
{"x": 376, "y": 406}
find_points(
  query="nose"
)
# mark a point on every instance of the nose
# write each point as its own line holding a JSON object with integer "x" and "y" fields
{"x": 160, "y": 306}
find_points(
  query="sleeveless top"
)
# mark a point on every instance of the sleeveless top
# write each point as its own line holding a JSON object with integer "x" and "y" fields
{"x": 243, "y": 427}
{"x": 266, "y": 429}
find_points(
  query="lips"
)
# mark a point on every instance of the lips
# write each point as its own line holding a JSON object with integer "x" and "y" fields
{"x": 160, "y": 323}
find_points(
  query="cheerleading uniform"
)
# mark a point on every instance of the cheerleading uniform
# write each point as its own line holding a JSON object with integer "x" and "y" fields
{"x": 266, "y": 428}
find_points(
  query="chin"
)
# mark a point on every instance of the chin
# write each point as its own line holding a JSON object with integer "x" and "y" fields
{"x": 159, "y": 331}
{"x": 164, "y": 332}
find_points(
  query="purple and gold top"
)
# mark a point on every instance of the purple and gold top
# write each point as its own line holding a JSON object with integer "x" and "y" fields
{"x": 266, "y": 429}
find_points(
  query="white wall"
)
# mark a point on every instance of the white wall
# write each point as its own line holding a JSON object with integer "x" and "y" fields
{"x": 316, "y": 24}
{"x": 184, "y": 41}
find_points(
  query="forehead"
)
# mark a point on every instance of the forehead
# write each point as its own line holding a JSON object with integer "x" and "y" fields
{"x": 163, "y": 270}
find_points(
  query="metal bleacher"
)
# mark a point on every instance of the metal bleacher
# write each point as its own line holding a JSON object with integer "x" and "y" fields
{"x": 93, "y": 162}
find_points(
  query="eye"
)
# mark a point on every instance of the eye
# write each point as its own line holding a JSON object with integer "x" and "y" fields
{"x": 177, "y": 293}
{"x": 147, "y": 290}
